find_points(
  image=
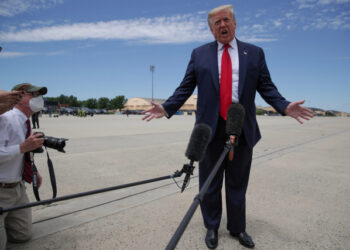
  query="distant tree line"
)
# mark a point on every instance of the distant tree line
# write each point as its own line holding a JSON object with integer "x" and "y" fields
{"x": 92, "y": 103}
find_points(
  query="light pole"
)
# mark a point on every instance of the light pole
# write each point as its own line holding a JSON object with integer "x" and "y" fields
{"x": 152, "y": 68}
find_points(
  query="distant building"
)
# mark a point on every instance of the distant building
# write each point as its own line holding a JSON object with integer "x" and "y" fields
{"x": 190, "y": 106}
{"x": 267, "y": 110}
{"x": 338, "y": 113}
{"x": 318, "y": 112}
{"x": 137, "y": 105}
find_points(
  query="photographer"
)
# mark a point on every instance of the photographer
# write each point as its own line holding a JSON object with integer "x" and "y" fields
{"x": 16, "y": 142}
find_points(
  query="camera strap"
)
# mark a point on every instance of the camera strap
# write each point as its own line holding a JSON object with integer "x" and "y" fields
{"x": 52, "y": 175}
{"x": 35, "y": 182}
{"x": 52, "y": 178}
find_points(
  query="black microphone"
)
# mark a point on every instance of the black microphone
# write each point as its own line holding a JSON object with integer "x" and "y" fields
{"x": 196, "y": 148}
{"x": 234, "y": 123}
{"x": 0, "y": 48}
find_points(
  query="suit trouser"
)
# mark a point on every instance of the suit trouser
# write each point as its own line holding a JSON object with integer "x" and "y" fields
{"x": 236, "y": 182}
{"x": 15, "y": 226}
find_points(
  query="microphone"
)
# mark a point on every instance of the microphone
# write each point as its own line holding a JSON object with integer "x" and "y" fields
{"x": 198, "y": 143}
{"x": 234, "y": 122}
{"x": 196, "y": 148}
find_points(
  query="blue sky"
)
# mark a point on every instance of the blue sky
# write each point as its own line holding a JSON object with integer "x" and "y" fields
{"x": 105, "y": 48}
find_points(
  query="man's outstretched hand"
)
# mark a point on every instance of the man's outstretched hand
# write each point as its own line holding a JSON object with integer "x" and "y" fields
{"x": 157, "y": 111}
{"x": 298, "y": 112}
{"x": 9, "y": 100}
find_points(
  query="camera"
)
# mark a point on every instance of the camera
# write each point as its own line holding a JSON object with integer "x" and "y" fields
{"x": 52, "y": 142}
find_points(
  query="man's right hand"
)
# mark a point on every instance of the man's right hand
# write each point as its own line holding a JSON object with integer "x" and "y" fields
{"x": 32, "y": 142}
{"x": 157, "y": 111}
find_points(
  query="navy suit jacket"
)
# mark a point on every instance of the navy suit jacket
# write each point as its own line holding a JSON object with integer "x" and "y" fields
{"x": 202, "y": 72}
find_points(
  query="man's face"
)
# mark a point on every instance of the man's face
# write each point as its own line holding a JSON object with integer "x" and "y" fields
{"x": 223, "y": 26}
{"x": 24, "y": 103}
{"x": 26, "y": 98}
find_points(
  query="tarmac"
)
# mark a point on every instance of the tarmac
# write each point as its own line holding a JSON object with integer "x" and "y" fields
{"x": 298, "y": 195}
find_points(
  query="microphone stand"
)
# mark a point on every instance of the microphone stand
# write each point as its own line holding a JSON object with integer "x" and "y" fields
{"x": 229, "y": 146}
{"x": 186, "y": 169}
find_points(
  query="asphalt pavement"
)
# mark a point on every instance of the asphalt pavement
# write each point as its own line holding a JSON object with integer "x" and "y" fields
{"x": 298, "y": 195}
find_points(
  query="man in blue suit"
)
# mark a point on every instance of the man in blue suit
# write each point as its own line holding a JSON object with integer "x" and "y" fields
{"x": 209, "y": 68}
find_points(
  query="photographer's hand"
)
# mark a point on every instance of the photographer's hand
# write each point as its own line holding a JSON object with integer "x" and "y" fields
{"x": 32, "y": 142}
{"x": 40, "y": 180}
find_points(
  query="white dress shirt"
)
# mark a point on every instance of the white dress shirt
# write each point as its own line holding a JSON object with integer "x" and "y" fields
{"x": 12, "y": 134}
{"x": 233, "y": 51}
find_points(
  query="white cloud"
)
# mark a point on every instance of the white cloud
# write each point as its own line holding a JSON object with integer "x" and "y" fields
{"x": 260, "y": 13}
{"x": 318, "y": 15}
{"x": 36, "y": 23}
{"x": 325, "y": 2}
{"x": 54, "y": 53}
{"x": 180, "y": 29}
{"x": 254, "y": 39}
{"x": 257, "y": 28}
{"x": 14, "y": 54}
{"x": 290, "y": 15}
{"x": 175, "y": 29}
{"x": 338, "y": 22}
{"x": 10, "y": 54}
{"x": 277, "y": 22}
{"x": 302, "y": 4}
{"x": 253, "y": 33}
{"x": 161, "y": 30}
{"x": 14, "y": 7}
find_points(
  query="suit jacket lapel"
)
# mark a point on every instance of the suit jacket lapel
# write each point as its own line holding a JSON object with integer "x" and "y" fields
{"x": 213, "y": 50}
{"x": 243, "y": 59}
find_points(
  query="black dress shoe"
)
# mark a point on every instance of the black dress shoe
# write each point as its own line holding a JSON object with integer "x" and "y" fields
{"x": 211, "y": 239}
{"x": 244, "y": 239}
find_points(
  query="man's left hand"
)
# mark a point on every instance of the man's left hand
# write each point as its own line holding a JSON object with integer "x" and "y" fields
{"x": 298, "y": 112}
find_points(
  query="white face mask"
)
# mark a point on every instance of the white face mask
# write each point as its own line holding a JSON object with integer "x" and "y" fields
{"x": 36, "y": 103}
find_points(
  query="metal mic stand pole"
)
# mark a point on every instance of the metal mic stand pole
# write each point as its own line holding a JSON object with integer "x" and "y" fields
{"x": 198, "y": 199}
{"x": 72, "y": 196}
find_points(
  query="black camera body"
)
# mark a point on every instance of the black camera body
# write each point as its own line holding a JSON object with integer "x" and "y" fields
{"x": 52, "y": 142}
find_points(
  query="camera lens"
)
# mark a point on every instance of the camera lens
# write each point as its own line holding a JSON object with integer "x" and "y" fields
{"x": 55, "y": 143}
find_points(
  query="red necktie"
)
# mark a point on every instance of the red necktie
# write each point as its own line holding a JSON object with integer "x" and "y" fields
{"x": 226, "y": 83}
{"x": 27, "y": 170}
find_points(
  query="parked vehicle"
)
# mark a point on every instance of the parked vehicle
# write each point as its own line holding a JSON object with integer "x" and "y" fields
{"x": 75, "y": 110}
{"x": 131, "y": 112}
{"x": 88, "y": 111}
{"x": 66, "y": 111}
{"x": 97, "y": 111}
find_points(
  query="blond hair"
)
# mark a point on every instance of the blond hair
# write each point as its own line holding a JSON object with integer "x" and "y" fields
{"x": 227, "y": 7}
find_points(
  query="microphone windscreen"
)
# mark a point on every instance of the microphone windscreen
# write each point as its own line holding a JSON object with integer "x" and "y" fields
{"x": 199, "y": 141}
{"x": 235, "y": 118}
